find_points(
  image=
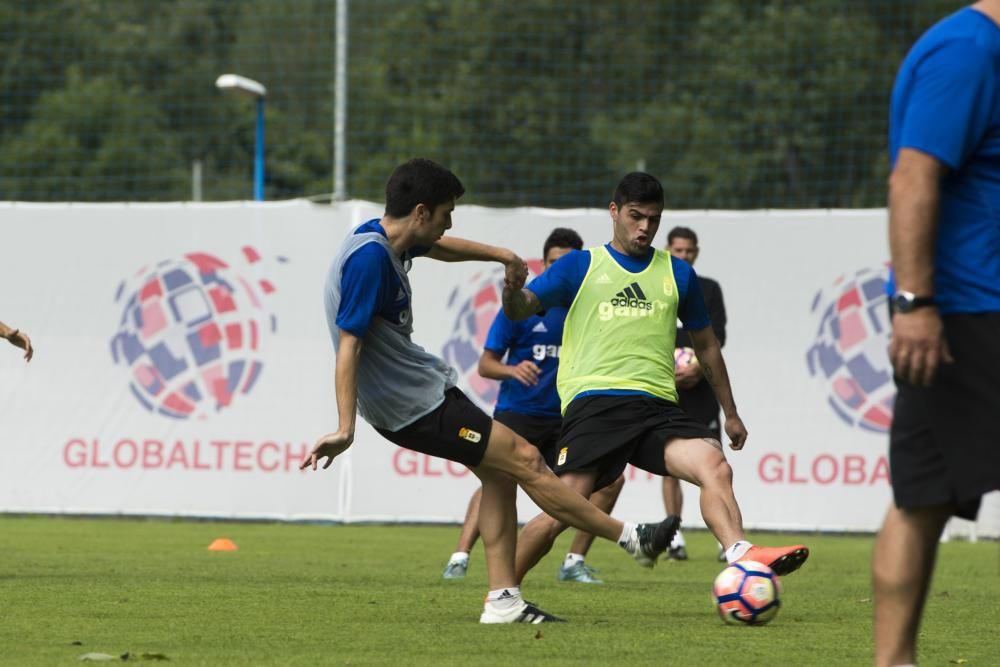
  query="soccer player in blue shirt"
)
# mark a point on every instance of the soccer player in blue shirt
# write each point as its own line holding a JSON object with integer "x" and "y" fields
{"x": 944, "y": 237}
{"x": 409, "y": 396}
{"x": 529, "y": 404}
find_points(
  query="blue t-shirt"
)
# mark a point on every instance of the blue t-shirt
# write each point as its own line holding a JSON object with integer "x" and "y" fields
{"x": 946, "y": 103}
{"x": 370, "y": 287}
{"x": 539, "y": 339}
{"x": 558, "y": 285}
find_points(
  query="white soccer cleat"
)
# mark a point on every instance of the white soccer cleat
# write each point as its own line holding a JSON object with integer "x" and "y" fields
{"x": 522, "y": 613}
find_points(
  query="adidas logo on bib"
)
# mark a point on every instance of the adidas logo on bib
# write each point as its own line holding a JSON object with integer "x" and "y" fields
{"x": 629, "y": 302}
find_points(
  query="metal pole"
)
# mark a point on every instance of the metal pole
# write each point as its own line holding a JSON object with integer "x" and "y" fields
{"x": 196, "y": 180}
{"x": 340, "y": 106}
{"x": 258, "y": 161}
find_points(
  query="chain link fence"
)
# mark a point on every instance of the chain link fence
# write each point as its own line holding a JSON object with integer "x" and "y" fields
{"x": 732, "y": 103}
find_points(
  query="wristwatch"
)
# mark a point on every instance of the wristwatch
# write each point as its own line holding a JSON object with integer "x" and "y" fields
{"x": 906, "y": 302}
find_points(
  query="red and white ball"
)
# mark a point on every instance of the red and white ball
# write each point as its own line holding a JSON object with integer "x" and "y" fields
{"x": 747, "y": 592}
{"x": 684, "y": 356}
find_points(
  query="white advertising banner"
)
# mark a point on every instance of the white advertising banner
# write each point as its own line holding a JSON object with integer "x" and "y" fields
{"x": 183, "y": 365}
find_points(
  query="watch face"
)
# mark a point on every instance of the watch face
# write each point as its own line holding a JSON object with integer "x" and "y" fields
{"x": 903, "y": 302}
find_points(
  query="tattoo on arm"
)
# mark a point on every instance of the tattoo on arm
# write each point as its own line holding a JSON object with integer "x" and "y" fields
{"x": 520, "y": 304}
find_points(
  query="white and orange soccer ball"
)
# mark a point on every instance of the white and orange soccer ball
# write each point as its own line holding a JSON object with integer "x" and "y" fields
{"x": 684, "y": 356}
{"x": 747, "y": 592}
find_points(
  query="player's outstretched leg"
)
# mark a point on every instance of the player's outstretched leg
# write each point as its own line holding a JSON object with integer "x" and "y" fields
{"x": 701, "y": 462}
{"x": 645, "y": 541}
{"x": 511, "y": 454}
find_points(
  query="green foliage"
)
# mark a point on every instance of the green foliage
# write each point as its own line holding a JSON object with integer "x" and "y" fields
{"x": 373, "y": 595}
{"x": 536, "y": 102}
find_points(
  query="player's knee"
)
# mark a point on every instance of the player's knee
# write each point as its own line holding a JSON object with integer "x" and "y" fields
{"x": 717, "y": 472}
{"x": 554, "y": 528}
{"x": 527, "y": 461}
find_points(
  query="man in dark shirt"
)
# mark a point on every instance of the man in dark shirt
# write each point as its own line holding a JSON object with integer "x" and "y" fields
{"x": 695, "y": 393}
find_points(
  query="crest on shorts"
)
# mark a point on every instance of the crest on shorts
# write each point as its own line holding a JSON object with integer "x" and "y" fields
{"x": 469, "y": 434}
{"x": 562, "y": 456}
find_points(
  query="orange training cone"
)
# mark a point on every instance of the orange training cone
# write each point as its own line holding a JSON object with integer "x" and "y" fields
{"x": 222, "y": 544}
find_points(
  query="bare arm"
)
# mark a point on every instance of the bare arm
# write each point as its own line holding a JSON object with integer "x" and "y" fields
{"x": 520, "y": 304}
{"x": 918, "y": 344}
{"x": 451, "y": 249}
{"x": 706, "y": 346}
{"x": 17, "y": 338}
{"x": 914, "y": 192}
{"x": 346, "y": 378}
{"x": 491, "y": 366}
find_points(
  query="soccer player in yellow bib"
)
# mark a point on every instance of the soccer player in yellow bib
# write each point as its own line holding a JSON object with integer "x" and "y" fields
{"x": 616, "y": 375}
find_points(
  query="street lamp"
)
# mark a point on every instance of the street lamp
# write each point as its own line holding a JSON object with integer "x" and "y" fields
{"x": 255, "y": 89}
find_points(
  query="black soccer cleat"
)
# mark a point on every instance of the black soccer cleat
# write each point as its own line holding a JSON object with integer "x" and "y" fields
{"x": 654, "y": 539}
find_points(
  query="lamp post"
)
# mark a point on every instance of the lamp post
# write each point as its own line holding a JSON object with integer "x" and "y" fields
{"x": 255, "y": 89}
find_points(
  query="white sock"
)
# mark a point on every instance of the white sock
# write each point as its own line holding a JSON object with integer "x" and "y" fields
{"x": 572, "y": 559}
{"x": 629, "y": 539}
{"x": 738, "y": 550}
{"x": 504, "y": 598}
{"x": 678, "y": 540}
{"x": 459, "y": 557}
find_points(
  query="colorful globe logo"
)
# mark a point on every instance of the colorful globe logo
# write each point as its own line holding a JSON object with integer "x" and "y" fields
{"x": 191, "y": 332}
{"x": 850, "y": 355}
{"x": 475, "y": 304}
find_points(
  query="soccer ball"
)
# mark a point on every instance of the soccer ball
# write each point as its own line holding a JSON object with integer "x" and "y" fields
{"x": 684, "y": 356}
{"x": 747, "y": 592}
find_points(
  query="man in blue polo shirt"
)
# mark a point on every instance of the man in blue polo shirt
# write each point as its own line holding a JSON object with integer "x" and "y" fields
{"x": 529, "y": 404}
{"x": 944, "y": 236}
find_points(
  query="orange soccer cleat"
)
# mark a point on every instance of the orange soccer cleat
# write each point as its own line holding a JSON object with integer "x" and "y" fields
{"x": 783, "y": 560}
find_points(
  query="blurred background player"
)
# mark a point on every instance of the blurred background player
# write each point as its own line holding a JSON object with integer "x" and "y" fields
{"x": 616, "y": 375}
{"x": 17, "y": 338}
{"x": 695, "y": 393}
{"x": 944, "y": 237}
{"x": 529, "y": 405}
{"x": 409, "y": 396}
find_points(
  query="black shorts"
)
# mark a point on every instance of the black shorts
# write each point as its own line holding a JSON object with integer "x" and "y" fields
{"x": 604, "y": 433}
{"x": 542, "y": 432}
{"x": 944, "y": 448}
{"x": 456, "y": 430}
{"x": 700, "y": 403}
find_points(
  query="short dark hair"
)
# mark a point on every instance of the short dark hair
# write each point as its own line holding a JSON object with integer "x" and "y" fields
{"x": 420, "y": 181}
{"x": 640, "y": 188}
{"x": 562, "y": 237}
{"x": 682, "y": 233}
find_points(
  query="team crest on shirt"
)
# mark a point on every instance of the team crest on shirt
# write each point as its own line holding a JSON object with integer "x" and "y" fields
{"x": 562, "y": 456}
{"x": 469, "y": 434}
{"x": 668, "y": 286}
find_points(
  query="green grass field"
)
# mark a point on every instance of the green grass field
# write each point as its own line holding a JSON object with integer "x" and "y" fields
{"x": 372, "y": 595}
